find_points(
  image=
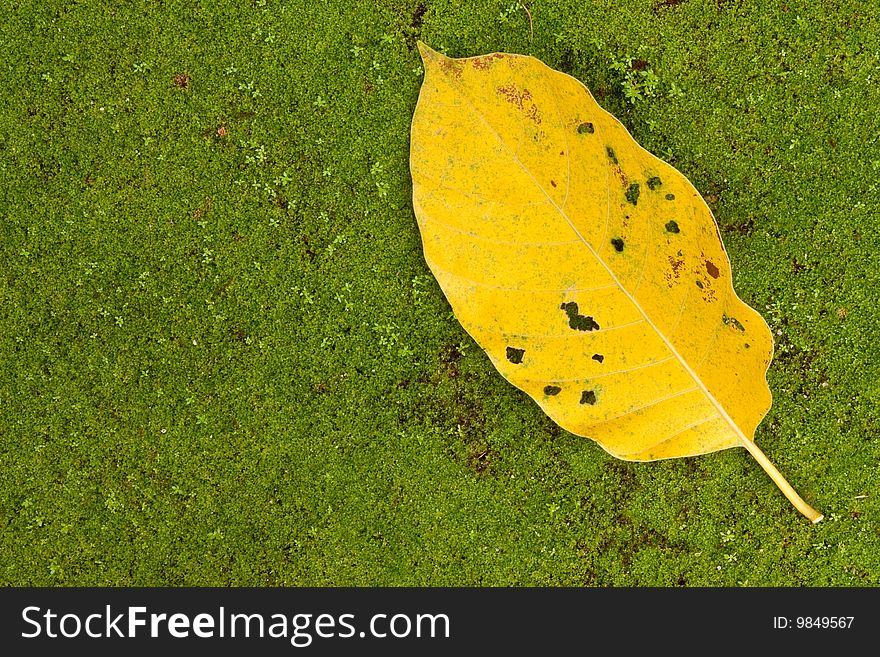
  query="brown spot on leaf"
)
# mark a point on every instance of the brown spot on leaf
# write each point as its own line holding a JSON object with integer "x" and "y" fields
{"x": 481, "y": 63}
{"x": 533, "y": 113}
{"x": 712, "y": 270}
{"x": 452, "y": 67}
{"x": 674, "y": 273}
{"x": 553, "y": 182}
{"x": 511, "y": 94}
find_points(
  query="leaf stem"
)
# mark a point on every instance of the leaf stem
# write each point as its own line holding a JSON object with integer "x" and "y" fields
{"x": 811, "y": 513}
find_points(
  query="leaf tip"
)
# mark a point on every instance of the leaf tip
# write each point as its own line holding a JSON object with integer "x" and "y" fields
{"x": 424, "y": 49}
{"x": 427, "y": 53}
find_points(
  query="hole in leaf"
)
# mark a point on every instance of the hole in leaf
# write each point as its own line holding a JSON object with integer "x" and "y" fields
{"x": 552, "y": 390}
{"x": 577, "y": 321}
{"x": 672, "y": 227}
{"x": 586, "y": 128}
{"x": 588, "y": 397}
{"x": 598, "y": 358}
{"x": 617, "y": 243}
{"x": 700, "y": 284}
{"x": 611, "y": 154}
{"x": 654, "y": 182}
{"x": 670, "y": 197}
{"x": 632, "y": 193}
{"x": 515, "y": 355}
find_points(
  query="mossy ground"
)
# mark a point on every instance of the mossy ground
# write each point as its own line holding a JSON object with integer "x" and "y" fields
{"x": 224, "y": 360}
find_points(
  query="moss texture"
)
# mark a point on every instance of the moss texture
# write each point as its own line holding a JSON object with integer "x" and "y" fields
{"x": 223, "y": 360}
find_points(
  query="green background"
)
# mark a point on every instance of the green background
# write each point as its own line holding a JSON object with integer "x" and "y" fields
{"x": 224, "y": 360}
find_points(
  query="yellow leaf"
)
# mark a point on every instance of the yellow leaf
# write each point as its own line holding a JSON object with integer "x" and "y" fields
{"x": 591, "y": 272}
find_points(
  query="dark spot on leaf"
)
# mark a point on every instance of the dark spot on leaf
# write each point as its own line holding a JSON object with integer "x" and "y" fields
{"x": 700, "y": 284}
{"x": 514, "y": 355}
{"x": 617, "y": 243}
{"x": 577, "y": 321}
{"x": 611, "y": 154}
{"x": 588, "y": 397}
{"x": 583, "y": 323}
{"x": 654, "y": 182}
{"x": 712, "y": 269}
{"x": 670, "y": 197}
{"x": 748, "y": 346}
{"x": 672, "y": 227}
{"x": 598, "y": 358}
{"x": 553, "y": 182}
{"x": 632, "y": 193}
{"x": 586, "y": 128}
{"x": 552, "y": 390}
{"x": 732, "y": 321}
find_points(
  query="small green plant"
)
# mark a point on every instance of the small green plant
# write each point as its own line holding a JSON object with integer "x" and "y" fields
{"x": 639, "y": 80}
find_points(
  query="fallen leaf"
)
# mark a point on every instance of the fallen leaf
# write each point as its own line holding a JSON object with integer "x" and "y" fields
{"x": 591, "y": 272}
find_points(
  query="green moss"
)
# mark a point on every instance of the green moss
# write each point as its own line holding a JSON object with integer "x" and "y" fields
{"x": 224, "y": 360}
